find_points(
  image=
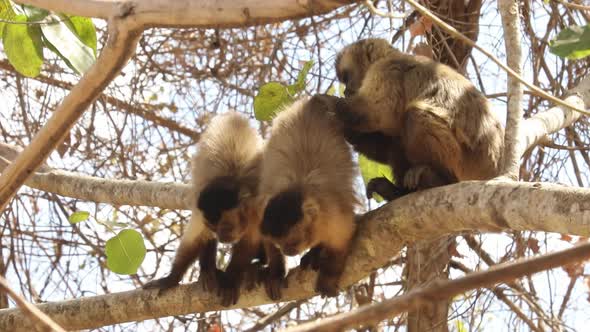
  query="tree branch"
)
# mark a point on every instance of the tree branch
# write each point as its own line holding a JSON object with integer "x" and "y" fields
{"x": 42, "y": 322}
{"x": 442, "y": 290}
{"x": 453, "y": 32}
{"x": 513, "y": 147}
{"x": 119, "y": 48}
{"x": 491, "y": 206}
{"x": 194, "y": 13}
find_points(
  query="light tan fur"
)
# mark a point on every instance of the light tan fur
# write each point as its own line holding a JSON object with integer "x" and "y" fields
{"x": 307, "y": 152}
{"x": 229, "y": 147}
{"x": 436, "y": 115}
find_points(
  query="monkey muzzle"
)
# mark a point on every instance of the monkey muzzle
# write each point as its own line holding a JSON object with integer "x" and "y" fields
{"x": 290, "y": 250}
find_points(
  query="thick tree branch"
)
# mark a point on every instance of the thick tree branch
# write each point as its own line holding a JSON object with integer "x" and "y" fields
{"x": 118, "y": 49}
{"x": 193, "y": 13}
{"x": 446, "y": 289}
{"x": 513, "y": 146}
{"x": 473, "y": 206}
{"x": 40, "y": 319}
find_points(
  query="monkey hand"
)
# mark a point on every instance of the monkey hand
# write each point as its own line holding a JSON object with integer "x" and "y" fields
{"x": 162, "y": 284}
{"x": 274, "y": 281}
{"x": 208, "y": 278}
{"x": 385, "y": 188}
{"x": 423, "y": 177}
{"x": 311, "y": 259}
{"x": 229, "y": 287}
{"x": 326, "y": 285}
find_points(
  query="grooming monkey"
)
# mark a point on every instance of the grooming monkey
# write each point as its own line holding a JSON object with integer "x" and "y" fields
{"x": 226, "y": 175}
{"x": 422, "y": 117}
{"x": 307, "y": 176}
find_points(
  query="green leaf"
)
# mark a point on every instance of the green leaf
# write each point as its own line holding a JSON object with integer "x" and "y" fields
{"x": 371, "y": 169}
{"x": 78, "y": 216}
{"x": 572, "y": 42}
{"x": 34, "y": 14}
{"x": 6, "y": 13}
{"x": 23, "y": 46}
{"x": 460, "y": 326}
{"x": 300, "y": 83}
{"x": 67, "y": 45}
{"x": 270, "y": 98}
{"x": 85, "y": 30}
{"x": 125, "y": 252}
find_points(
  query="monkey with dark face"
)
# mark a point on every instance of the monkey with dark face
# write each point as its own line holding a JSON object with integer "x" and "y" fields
{"x": 226, "y": 175}
{"x": 307, "y": 175}
{"x": 422, "y": 117}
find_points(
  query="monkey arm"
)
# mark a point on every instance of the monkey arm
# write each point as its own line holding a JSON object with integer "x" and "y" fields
{"x": 195, "y": 239}
{"x": 273, "y": 276}
{"x": 240, "y": 264}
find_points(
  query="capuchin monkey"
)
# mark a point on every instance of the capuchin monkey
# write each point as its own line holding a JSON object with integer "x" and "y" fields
{"x": 226, "y": 176}
{"x": 307, "y": 177}
{"x": 421, "y": 117}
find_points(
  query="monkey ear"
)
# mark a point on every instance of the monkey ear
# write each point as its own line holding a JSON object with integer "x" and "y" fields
{"x": 310, "y": 207}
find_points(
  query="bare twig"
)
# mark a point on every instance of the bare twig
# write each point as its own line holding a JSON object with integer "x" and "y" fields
{"x": 377, "y": 12}
{"x": 442, "y": 290}
{"x": 43, "y": 321}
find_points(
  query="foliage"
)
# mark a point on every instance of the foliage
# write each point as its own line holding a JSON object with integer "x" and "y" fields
{"x": 372, "y": 169}
{"x": 78, "y": 216}
{"x": 274, "y": 95}
{"x": 572, "y": 42}
{"x": 25, "y": 36}
{"x": 125, "y": 252}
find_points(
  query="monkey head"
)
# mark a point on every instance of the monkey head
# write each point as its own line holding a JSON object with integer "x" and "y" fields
{"x": 353, "y": 61}
{"x": 225, "y": 206}
{"x": 290, "y": 220}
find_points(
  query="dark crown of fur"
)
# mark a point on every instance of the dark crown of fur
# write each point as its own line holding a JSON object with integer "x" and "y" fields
{"x": 219, "y": 195}
{"x": 282, "y": 212}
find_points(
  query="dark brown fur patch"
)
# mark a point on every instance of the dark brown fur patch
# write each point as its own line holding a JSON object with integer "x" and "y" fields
{"x": 282, "y": 212}
{"x": 219, "y": 195}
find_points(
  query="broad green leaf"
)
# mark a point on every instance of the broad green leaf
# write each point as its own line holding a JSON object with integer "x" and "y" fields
{"x": 23, "y": 46}
{"x": 125, "y": 252}
{"x": 78, "y": 216}
{"x": 6, "y": 13}
{"x": 371, "y": 169}
{"x": 332, "y": 90}
{"x": 34, "y": 14}
{"x": 270, "y": 98}
{"x": 572, "y": 42}
{"x": 69, "y": 47}
{"x": 300, "y": 83}
{"x": 85, "y": 30}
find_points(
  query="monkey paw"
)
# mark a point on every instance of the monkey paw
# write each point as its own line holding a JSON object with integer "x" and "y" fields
{"x": 229, "y": 288}
{"x": 413, "y": 177}
{"x": 385, "y": 189}
{"x": 209, "y": 278}
{"x": 162, "y": 284}
{"x": 274, "y": 282}
{"x": 311, "y": 259}
{"x": 326, "y": 286}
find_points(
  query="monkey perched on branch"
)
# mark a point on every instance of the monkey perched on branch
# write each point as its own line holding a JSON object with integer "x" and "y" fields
{"x": 226, "y": 176}
{"x": 421, "y": 117}
{"x": 307, "y": 175}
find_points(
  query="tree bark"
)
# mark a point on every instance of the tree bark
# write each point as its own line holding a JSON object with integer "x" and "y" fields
{"x": 478, "y": 206}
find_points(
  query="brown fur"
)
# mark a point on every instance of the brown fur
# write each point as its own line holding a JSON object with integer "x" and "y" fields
{"x": 307, "y": 157}
{"x": 441, "y": 127}
{"x": 229, "y": 150}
